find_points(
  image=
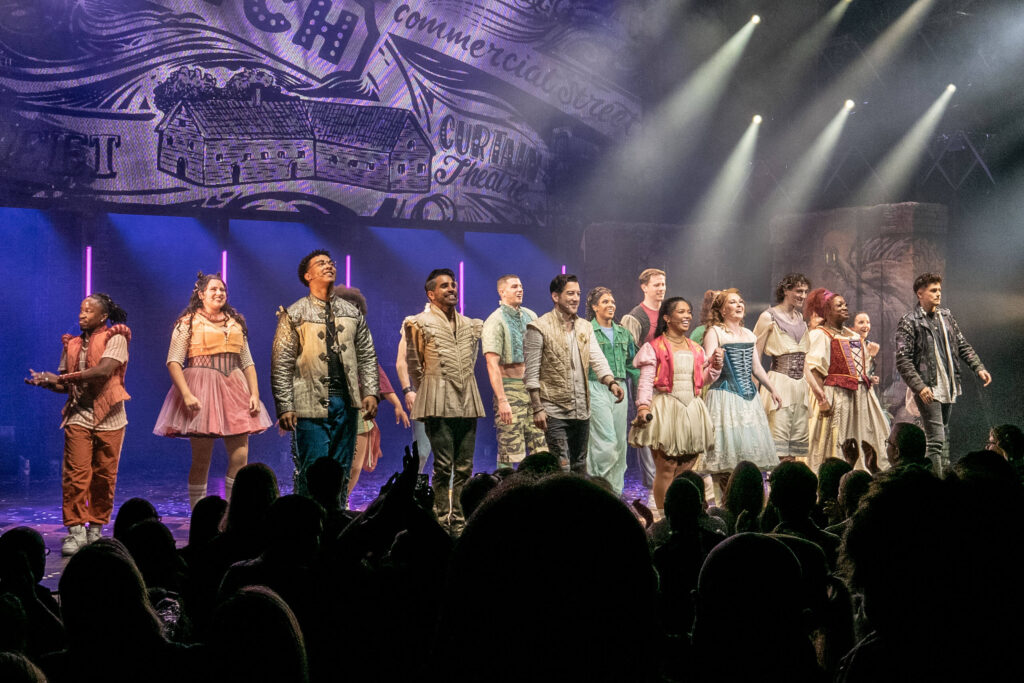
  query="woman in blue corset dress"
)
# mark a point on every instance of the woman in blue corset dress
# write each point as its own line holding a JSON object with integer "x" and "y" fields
{"x": 741, "y": 426}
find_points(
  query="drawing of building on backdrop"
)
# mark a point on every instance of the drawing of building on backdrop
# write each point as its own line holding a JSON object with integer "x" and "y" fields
{"x": 230, "y": 142}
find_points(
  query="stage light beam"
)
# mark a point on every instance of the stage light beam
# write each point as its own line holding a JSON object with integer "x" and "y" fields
{"x": 849, "y": 104}
{"x": 796, "y": 190}
{"x": 757, "y": 119}
{"x": 224, "y": 267}
{"x": 88, "y": 270}
{"x": 721, "y": 204}
{"x": 755, "y": 19}
{"x": 894, "y": 172}
{"x": 672, "y": 129}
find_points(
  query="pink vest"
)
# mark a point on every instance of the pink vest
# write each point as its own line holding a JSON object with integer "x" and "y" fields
{"x": 666, "y": 366}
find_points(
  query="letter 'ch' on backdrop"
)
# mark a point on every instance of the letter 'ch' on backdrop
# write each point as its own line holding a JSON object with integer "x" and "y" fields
{"x": 454, "y": 110}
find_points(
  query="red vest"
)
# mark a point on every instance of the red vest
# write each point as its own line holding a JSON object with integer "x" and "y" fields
{"x": 666, "y": 366}
{"x": 112, "y": 391}
{"x": 842, "y": 368}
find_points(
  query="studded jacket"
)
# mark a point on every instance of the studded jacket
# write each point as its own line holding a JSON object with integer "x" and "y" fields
{"x": 915, "y": 352}
{"x": 298, "y": 365}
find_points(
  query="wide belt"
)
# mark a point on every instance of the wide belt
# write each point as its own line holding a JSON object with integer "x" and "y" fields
{"x": 791, "y": 364}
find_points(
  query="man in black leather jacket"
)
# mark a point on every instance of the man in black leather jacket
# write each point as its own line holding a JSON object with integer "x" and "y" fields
{"x": 928, "y": 346}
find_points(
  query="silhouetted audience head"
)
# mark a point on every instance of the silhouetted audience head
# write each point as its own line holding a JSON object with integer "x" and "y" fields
{"x": 794, "y": 488}
{"x": 829, "y": 474}
{"x": 19, "y": 545}
{"x": 1007, "y": 440}
{"x": 905, "y": 445}
{"x": 131, "y": 512}
{"x": 745, "y": 490}
{"x": 539, "y": 464}
{"x": 102, "y": 591}
{"x": 852, "y": 488}
{"x": 324, "y": 481}
{"x": 17, "y": 668}
{"x": 683, "y": 505}
{"x": 475, "y": 490}
{"x": 988, "y": 478}
{"x": 697, "y": 481}
{"x": 294, "y": 526}
{"x": 151, "y": 546}
{"x": 255, "y": 490}
{"x": 255, "y": 637}
{"x": 206, "y": 519}
{"x": 565, "y": 541}
{"x": 758, "y": 613}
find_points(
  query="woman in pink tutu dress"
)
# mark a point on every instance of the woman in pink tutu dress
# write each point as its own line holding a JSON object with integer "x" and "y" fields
{"x": 215, "y": 394}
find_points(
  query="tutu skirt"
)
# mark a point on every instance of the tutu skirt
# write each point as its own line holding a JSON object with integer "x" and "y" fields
{"x": 679, "y": 428}
{"x": 224, "y": 411}
{"x": 741, "y": 433}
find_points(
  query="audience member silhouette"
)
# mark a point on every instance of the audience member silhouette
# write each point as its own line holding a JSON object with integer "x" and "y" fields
{"x": 829, "y": 473}
{"x": 906, "y": 446}
{"x": 324, "y": 481}
{"x": 204, "y": 525}
{"x": 17, "y": 668}
{"x": 940, "y": 578}
{"x": 750, "y": 623}
{"x": 1008, "y": 441}
{"x": 113, "y": 634}
{"x": 131, "y": 512}
{"x": 475, "y": 490}
{"x": 256, "y": 638}
{"x": 743, "y": 499}
{"x": 794, "y": 489}
{"x": 679, "y": 559}
{"x": 585, "y": 590}
{"x": 852, "y": 488}
{"x": 29, "y": 616}
{"x": 151, "y": 546}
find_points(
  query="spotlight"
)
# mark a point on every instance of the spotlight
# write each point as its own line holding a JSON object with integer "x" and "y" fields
{"x": 849, "y": 104}
{"x": 757, "y": 118}
{"x": 755, "y": 19}
{"x": 951, "y": 88}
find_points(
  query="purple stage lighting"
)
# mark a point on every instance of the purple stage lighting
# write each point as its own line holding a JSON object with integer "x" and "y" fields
{"x": 88, "y": 270}
{"x": 224, "y": 267}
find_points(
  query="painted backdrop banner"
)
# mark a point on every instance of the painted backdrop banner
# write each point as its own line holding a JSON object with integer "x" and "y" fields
{"x": 451, "y": 110}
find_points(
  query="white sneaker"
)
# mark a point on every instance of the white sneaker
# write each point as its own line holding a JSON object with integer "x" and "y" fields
{"x": 74, "y": 541}
{"x": 93, "y": 532}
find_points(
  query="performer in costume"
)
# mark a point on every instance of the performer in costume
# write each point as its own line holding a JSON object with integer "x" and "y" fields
{"x": 671, "y": 417}
{"x": 741, "y": 427}
{"x": 836, "y": 369}
{"x": 323, "y": 371}
{"x": 368, "y": 452}
{"x": 862, "y": 326}
{"x": 442, "y": 350}
{"x": 641, "y": 322}
{"x": 606, "y": 453}
{"x": 560, "y": 347}
{"x": 929, "y": 348}
{"x": 782, "y": 336}
{"x": 215, "y": 393}
{"x": 91, "y": 373}
{"x": 502, "y": 344}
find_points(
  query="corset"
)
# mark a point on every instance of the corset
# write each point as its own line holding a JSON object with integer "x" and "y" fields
{"x": 224, "y": 363}
{"x": 736, "y": 370}
{"x": 791, "y": 364}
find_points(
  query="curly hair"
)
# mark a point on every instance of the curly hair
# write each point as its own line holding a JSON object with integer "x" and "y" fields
{"x": 788, "y": 282}
{"x": 705, "y": 306}
{"x": 195, "y": 303}
{"x": 115, "y": 314}
{"x": 353, "y": 295}
{"x": 715, "y": 314}
{"x": 593, "y": 297}
{"x": 304, "y": 263}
